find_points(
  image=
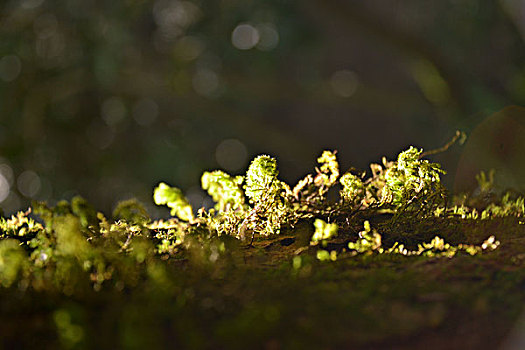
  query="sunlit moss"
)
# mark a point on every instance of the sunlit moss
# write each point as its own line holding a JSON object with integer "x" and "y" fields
{"x": 13, "y": 262}
{"x": 270, "y": 199}
{"x": 75, "y": 246}
{"x": 199, "y": 264}
{"x": 324, "y": 255}
{"x": 323, "y": 231}
{"x": 19, "y": 225}
{"x": 328, "y": 170}
{"x": 310, "y": 192}
{"x": 132, "y": 211}
{"x": 486, "y": 180}
{"x": 413, "y": 183}
{"x": 225, "y": 190}
{"x": 353, "y": 188}
{"x": 261, "y": 179}
{"x": 368, "y": 241}
{"x": 173, "y": 198}
{"x": 508, "y": 206}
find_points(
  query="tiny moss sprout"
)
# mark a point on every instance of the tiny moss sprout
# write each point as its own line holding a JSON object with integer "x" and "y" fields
{"x": 323, "y": 231}
{"x": 485, "y": 181}
{"x": 261, "y": 180}
{"x": 329, "y": 169}
{"x": 413, "y": 183}
{"x": 269, "y": 197}
{"x": 224, "y": 189}
{"x": 325, "y": 255}
{"x": 368, "y": 241}
{"x": 353, "y": 188}
{"x": 174, "y": 199}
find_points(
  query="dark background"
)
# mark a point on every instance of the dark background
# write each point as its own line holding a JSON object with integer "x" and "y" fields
{"x": 107, "y": 98}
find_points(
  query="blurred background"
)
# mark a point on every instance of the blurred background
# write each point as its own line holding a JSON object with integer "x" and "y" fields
{"x": 107, "y": 98}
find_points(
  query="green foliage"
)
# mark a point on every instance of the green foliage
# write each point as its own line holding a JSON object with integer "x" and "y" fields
{"x": 63, "y": 254}
{"x": 132, "y": 211}
{"x": 329, "y": 169}
{"x": 325, "y": 255}
{"x": 225, "y": 190}
{"x": 407, "y": 184}
{"x": 70, "y": 241}
{"x": 84, "y": 211}
{"x": 19, "y": 225}
{"x": 510, "y": 205}
{"x": 369, "y": 241}
{"x": 353, "y": 188}
{"x": 310, "y": 192}
{"x": 174, "y": 199}
{"x": 261, "y": 180}
{"x": 13, "y": 262}
{"x": 270, "y": 199}
{"x": 486, "y": 181}
{"x": 323, "y": 231}
{"x": 413, "y": 183}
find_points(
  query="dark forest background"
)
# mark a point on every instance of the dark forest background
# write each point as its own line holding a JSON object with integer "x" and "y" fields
{"x": 107, "y": 98}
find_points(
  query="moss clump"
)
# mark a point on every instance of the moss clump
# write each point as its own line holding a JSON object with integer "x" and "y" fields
{"x": 173, "y": 198}
{"x": 225, "y": 190}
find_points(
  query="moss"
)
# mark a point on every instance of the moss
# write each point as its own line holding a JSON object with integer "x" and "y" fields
{"x": 384, "y": 265}
{"x": 173, "y": 198}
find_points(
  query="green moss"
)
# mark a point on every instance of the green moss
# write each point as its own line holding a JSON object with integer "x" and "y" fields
{"x": 13, "y": 262}
{"x": 225, "y": 190}
{"x": 173, "y": 198}
{"x": 269, "y": 265}
{"x": 413, "y": 183}
{"x": 323, "y": 231}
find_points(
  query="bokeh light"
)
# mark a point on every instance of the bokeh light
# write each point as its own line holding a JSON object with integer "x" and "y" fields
{"x": 268, "y": 37}
{"x": 188, "y": 48}
{"x": 245, "y": 36}
{"x": 179, "y": 14}
{"x": 145, "y": 111}
{"x": 10, "y": 67}
{"x": 4, "y": 188}
{"x": 31, "y": 4}
{"x": 11, "y": 204}
{"x": 100, "y": 135}
{"x": 28, "y": 183}
{"x": 344, "y": 83}
{"x": 205, "y": 82}
{"x": 7, "y": 173}
{"x": 431, "y": 82}
{"x": 231, "y": 155}
{"x": 113, "y": 111}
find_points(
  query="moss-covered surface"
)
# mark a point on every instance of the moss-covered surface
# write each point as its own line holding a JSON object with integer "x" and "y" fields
{"x": 254, "y": 296}
{"x": 389, "y": 266}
